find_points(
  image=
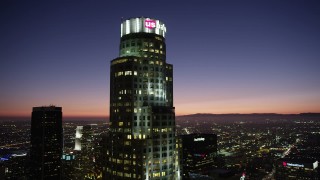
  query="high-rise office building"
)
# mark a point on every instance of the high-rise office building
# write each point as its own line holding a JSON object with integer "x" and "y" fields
{"x": 199, "y": 152}
{"x": 77, "y": 146}
{"x": 142, "y": 117}
{"x": 46, "y": 143}
{"x": 86, "y": 150}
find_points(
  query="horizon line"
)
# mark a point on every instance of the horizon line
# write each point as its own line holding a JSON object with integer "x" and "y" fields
{"x": 107, "y": 117}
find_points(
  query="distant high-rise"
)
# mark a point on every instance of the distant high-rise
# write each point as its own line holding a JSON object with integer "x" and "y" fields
{"x": 77, "y": 146}
{"x": 296, "y": 168}
{"x": 86, "y": 152}
{"x": 142, "y": 117}
{"x": 199, "y": 151}
{"x": 46, "y": 143}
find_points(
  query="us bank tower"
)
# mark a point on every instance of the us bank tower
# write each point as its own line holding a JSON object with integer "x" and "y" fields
{"x": 142, "y": 138}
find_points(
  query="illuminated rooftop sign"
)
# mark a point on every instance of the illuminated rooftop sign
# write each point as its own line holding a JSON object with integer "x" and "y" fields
{"x": 292, "y": 164}
{"x": 145, "y": 25}
{"x": 198, "y": 139}
{"x": 149, "y": 23}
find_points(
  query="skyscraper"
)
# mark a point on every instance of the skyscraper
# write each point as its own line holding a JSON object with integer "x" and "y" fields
{"x": 142, "y": 117}
{"x": 199, "y": 151}
{"x": 46, "y": 143}
{"x": 77, "y": 146}
{"x": 86, "y": 152}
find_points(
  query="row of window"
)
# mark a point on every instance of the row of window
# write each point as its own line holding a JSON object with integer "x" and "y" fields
{"x": 141, "y": 74}
{"x": 133, "y": 175}
{"x": 122, "y": 130}
{"x": 161, "y": 103}
{"x": 163, "y": 155}
{"x": 151, "y": 63}
{"x": 149, "y": 80}
{"x": 155, "y": 130}
{"x": 154, "y": 123}
{"x": 124, "y": 174}
{"x": 146, "y": 68}
{"x": 145, "y": 61}
{"x": 155, "y": 117}
{"x": 140, "y": 101}
{"x": 142, "y": 123}
{"x": 134, "y": 50}
{"x": 139, "y": 43}
{"x": 125, "y": 73}
{"x": 151, "y": 94}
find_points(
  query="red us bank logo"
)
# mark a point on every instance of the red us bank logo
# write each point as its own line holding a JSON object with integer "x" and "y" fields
{"x": 149, "y": 23}
{"x": 284, "y": 163}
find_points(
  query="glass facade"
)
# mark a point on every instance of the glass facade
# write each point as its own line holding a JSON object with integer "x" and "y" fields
{"x": 142, "y": 118}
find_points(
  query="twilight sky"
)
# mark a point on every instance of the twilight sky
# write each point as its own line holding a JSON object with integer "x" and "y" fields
{"x": 229, "y": 56}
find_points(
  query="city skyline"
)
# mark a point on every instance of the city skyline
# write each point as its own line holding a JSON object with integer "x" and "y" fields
{"x": 229, "y": 57}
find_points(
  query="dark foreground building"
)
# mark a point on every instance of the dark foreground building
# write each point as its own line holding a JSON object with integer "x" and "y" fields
{"x": 46, "y": 143}
{"x": 13, "y": 164}
{"x": 199, "y": 151}
{"x": 142, "y": 117}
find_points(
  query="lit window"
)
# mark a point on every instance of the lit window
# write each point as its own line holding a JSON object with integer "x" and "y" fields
{"x": 120, "y": 73}
{"x": 126, "y": 73}
{"x": 127, "y": 143}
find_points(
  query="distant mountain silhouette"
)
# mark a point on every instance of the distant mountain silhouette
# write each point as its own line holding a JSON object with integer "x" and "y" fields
{"x": 250, "y": 117}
